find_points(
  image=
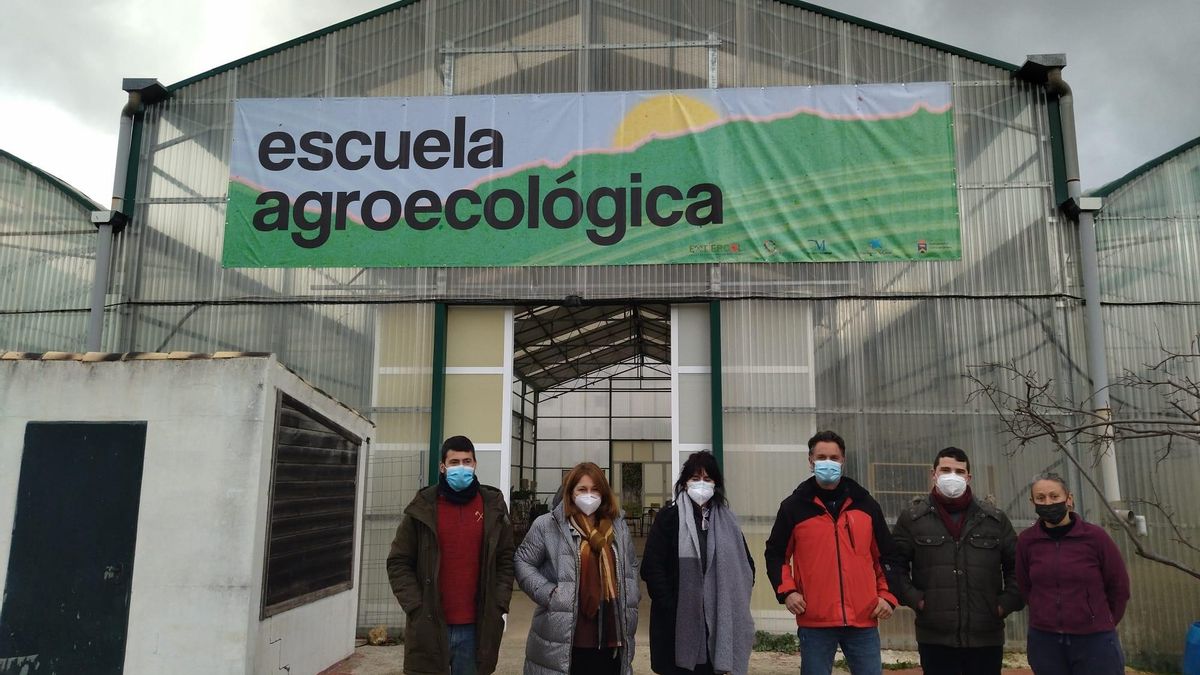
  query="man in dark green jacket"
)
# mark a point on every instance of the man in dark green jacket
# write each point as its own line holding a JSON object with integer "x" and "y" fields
{"x": 451, "y": 568}
{"x": 955, "y": 565}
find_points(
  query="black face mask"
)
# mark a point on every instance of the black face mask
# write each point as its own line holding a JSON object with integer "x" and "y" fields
{"x": 1053, "y": 514}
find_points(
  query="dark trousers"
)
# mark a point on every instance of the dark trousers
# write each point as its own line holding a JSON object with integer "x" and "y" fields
{"x": 942, "y": 660}
{"x": 587, "y": 661}
{"x": 1061, "y": 654}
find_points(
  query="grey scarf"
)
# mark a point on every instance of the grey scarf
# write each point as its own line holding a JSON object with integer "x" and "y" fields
{"x": 718, "y": 600}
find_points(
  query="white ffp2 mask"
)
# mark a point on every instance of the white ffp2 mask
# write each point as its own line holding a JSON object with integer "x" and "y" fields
{"x": 701, "y": 491}
{"x": 951, "y": 485}
{"x": 587, "y": 502}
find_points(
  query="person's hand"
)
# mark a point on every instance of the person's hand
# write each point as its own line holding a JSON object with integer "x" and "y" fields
{"x": 883, "y": 610}
{"x": 999, "y": 611}
{"x": 921, "y": 605}
{"x": 795, "y": 603}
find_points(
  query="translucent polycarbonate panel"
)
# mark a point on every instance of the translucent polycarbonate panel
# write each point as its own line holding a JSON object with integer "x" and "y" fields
{"x": 691, "y": 379}
{"x": 401, "y": 407}
{"x": 473, "y": 407}
{"x": 534, "y": 47}
{"x": 889, "y": 341}
{"x": 1148, "y": 235}
{"x": 474, "y": 337}
{"x": 329, "y": 345}
{"x": 695, "y": 409}
{"x": 603, "y": 419}
{"x": 693, "y": 344}
{"x": 1158, "y": 474}
{"x": 47, "y": 249}
{"x": 889, "y": 376}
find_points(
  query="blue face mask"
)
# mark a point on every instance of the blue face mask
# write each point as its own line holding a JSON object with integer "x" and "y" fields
{"x": 459, "y": 477}
{"x": 827, "y": 471}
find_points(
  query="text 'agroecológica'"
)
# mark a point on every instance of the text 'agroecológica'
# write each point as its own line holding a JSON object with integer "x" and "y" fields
{"x": 609, "y": 210}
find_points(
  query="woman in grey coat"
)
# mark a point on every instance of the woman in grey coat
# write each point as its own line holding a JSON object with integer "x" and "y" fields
{"x": 579, "y": 566}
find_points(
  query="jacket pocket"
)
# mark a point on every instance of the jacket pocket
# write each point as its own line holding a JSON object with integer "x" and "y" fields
{"x": 983, "y": 541}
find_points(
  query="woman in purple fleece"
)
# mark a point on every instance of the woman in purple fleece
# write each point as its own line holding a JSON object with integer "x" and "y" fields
{"x": 1074, "y": 580}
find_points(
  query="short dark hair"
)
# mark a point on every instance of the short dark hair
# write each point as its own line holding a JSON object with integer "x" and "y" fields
{"x": 692, "y": 465}
{"x": 459, "y": 443}
{"x": 954, "y": 453}
{"x": 826, "y": 436}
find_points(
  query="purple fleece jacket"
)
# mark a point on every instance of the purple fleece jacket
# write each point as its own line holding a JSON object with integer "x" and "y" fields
{"x": 1075, "y": 585}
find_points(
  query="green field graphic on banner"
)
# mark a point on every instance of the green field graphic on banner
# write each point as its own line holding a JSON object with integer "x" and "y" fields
{"x": 795, "y": 186}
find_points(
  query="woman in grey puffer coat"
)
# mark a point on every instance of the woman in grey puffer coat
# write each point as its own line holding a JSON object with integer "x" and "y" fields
{"x": 547, "y": 566}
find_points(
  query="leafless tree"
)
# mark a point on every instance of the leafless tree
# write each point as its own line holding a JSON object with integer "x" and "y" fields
{"x": 1033, "y": 411}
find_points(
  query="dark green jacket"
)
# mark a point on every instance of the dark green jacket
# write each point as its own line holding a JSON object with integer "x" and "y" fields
{"x": 962, "y": 582}
{"x": 412, "y": 567}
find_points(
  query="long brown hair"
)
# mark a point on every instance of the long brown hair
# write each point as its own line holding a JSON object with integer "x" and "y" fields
{"x": 608, "y": 501}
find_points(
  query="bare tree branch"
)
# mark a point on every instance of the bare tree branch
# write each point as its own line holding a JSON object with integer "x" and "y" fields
{"x": 1031, "y": 411}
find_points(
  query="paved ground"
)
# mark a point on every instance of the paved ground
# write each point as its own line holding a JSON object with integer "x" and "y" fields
{"x": 388, "y": 660}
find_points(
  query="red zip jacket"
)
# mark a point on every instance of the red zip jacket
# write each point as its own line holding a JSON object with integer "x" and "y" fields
{"x": 834, "y": 564}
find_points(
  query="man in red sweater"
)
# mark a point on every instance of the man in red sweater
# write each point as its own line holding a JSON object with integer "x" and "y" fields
{"x": 451, "y": 568}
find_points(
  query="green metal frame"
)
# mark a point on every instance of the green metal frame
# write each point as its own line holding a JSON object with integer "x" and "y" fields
{"x": 437, "y": 414}
{"x": 871, "y": 25}
{"x": 714, "y": 357}
{"x": 134, "y": 163}
{"x": 64, "y": 187}
{"x": 1058, "y": 154}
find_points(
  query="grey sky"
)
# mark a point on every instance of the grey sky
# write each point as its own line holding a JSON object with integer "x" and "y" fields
{"x": 1133, "y": 65}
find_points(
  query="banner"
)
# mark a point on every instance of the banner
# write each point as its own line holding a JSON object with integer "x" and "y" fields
{"x": 786, "y": 174}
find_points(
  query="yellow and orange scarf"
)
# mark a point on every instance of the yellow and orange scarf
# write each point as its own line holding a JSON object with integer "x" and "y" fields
{"x": 597, "y": 564}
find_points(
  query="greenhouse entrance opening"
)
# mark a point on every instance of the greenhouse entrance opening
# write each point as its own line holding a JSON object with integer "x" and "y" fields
{"x": 592, "y": 384}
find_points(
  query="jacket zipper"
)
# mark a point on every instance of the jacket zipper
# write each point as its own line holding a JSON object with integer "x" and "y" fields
{"x": 1058, "y": 583}
{"x": 837, "y": 546}
{"x": 575, "y": 604}
{"x": 958, "y": 584}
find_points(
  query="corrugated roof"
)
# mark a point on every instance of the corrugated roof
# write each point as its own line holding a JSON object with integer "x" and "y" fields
{"x": 1112, "y": 186}
{"x": 403, "y": 3}
{"x": 63, "y": 186}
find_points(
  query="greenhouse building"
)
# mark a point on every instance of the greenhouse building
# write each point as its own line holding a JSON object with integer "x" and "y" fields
{"x": 624, "y": 231}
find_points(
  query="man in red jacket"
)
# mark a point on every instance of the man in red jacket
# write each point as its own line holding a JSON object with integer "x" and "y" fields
{"x": 823, "y": 559}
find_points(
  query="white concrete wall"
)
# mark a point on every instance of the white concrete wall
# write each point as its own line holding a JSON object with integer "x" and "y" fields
{"x": 198, "y": 564}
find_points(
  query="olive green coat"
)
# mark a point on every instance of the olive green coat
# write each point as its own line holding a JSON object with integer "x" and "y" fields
{"x": 412, "y": 566}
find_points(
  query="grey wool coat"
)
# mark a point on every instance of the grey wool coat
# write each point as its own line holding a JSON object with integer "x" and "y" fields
{"x": 547, "y": 566}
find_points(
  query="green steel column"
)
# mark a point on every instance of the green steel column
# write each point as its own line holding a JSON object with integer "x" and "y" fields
{"x": 714, "y": 346}
{"x": 437, "y": 413}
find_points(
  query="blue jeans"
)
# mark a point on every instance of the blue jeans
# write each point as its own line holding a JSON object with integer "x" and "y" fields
{"x": 859, "y": 645}
{"x": 462, "y": 649}
{"x": 1061, "y": 654}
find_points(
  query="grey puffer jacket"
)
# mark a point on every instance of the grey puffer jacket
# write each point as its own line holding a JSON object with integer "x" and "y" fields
{"x": 547, "y": 566}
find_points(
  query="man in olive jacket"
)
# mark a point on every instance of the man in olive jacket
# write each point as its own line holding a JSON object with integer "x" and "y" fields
{"x": 451, "y": 568}
{"x": 955, "y": 565}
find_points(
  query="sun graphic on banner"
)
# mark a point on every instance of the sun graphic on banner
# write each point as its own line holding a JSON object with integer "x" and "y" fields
{"x": 663, "y": 114}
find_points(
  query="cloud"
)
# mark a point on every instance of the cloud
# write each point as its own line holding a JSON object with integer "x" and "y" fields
{"x": 1132, "y": 65}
